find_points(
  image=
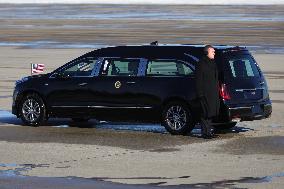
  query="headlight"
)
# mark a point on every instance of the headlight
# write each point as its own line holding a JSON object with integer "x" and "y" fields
{"x": 21, "y": 80}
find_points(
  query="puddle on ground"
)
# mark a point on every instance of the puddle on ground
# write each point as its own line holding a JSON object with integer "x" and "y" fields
{"x": 154, "y": 128}
{"x": 8, "y": 117}
{"x": 13, "y": 169}
{"x": 6, "y": 114}
{"x": 160, "y": 150}
{"x": 271, "y": 177}
{"x": 273, "y": 145}
{"x": 130, "y": 136}
{"x": 14, "y": 176}
{"x": 224, "y": 184}
{"x": 8, "y": 165}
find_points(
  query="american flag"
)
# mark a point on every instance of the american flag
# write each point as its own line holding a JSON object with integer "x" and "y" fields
{"x": 37, "y": 68}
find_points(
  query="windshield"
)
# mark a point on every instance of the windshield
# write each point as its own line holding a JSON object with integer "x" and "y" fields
{"x": 242, "y": 66}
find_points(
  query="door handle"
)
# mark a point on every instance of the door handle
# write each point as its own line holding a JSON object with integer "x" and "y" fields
{"x": 261, "y": 83}
{"x": 130, "y": 82}
{"x": 83, "y": 84}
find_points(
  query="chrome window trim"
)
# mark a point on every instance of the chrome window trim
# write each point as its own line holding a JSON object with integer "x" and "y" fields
{"x": 76, "y": 76}
{"x": 246, "y": 107}
{"x": 253, "y": 89}
{"x": 192, "y": 57}
{"x": 242, "y": 107}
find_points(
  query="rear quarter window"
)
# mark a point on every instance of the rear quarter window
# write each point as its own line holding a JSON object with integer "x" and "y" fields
{"x": 242, "y": 67}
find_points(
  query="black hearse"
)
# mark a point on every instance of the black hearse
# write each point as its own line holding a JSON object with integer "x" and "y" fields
{"x": 148, "y": 83}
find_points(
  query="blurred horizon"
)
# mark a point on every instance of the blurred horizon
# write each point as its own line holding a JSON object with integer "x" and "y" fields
{"x": 169, "y": 2}
{"x": 258, "y": 27}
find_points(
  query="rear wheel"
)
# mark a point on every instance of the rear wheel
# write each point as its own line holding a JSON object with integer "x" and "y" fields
{"x": 33, "y": 111}
{"x": 177, "y": 119}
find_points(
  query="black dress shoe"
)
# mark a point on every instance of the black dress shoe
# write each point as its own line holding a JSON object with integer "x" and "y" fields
{"x": 207, "y": 136}
{"x": 210, "y": 136}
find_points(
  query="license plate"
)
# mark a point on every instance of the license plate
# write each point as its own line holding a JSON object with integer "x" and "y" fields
{"x": 253, "y": 94}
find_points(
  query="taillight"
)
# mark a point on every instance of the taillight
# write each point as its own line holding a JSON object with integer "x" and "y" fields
{"x": 224, "y": 92}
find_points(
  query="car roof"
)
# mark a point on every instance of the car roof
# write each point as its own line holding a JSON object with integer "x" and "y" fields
{"x": 160, "y": 50}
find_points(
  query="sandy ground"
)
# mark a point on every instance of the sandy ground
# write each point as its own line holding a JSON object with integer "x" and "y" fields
{"x": 252, "y": 157}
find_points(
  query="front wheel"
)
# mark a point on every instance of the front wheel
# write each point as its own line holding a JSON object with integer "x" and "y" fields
{"x": 177, "y": 119}
{"x": 33, "y": 112}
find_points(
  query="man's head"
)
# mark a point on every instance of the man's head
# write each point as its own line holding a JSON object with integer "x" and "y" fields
{"x": 209, "y": 51}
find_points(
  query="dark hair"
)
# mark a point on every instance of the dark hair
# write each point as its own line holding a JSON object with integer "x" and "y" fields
{"x": 205, "y": 50}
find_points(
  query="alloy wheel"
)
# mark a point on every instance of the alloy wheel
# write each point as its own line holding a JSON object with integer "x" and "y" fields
{"x": 31, "y": 110}
{"x": 176, "y": 117}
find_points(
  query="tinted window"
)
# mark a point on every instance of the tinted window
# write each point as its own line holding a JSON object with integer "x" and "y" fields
{"x": 168, "y": 68}
{"x": 243, "y": 67}
{"x": 120, "y": 67}
{"x": 81, "y": 67}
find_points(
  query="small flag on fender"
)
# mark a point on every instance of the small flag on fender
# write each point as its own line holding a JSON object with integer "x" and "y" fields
{"x": 37, "y": 68}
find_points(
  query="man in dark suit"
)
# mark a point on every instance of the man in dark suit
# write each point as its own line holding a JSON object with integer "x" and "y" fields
{"x": 207, "y": 87}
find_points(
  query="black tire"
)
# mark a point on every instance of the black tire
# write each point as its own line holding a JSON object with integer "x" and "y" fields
{"x": 32, "y": 110}
{"x": 80, "y": 119}
{"x": 177, "y": 119}
{"x": 225, "y": 126}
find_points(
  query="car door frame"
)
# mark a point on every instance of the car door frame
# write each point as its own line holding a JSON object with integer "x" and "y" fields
{"x": 117, "y": 101}
{"x": 74, "y": 88}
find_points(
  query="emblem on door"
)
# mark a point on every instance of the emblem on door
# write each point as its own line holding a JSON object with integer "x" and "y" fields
{"x": 117, "y": 84}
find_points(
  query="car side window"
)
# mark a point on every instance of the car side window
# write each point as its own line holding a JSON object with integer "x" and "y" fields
{"x": 168, "y": 68}
{"x": 120, "y": 67}
{"x": 80, "y": 68}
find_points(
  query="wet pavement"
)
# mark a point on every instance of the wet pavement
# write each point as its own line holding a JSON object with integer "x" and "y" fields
{"x": 12, "y": 179}
{"x": 124, "y": 135}
{"x": 273, "y": 145}
{"x": 141, "y": 137}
